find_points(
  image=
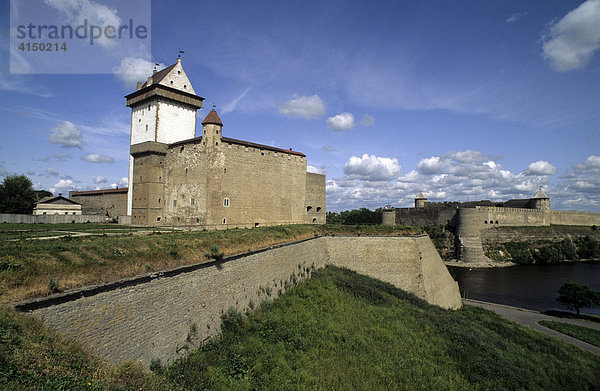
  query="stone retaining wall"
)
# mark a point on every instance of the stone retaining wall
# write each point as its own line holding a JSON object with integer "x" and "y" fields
{"x": 162, "y": 316}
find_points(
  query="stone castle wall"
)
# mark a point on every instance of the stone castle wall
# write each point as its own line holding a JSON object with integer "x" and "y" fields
{"x": 561, "y": 217}
{"x": 106, "y": 203}
{"x": 156, "y": 317}
{"x": 315, "y": 198}
{"x": 422, "y": 217}
{"x": 50, "y": 219}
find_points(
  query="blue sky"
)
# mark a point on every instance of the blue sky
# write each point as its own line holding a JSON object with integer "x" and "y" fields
{"x": 460, "y": 100}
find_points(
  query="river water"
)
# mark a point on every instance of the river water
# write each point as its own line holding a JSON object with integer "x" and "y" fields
{"x": 528, "y": 286}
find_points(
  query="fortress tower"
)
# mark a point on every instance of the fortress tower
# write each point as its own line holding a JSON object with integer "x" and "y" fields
{"x": 163, "y": 111}
{"x": 420, "y": 200}
{"x": 541, "y": 201}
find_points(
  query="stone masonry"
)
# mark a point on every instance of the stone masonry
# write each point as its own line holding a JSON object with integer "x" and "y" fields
{"x": 163, "y": 317}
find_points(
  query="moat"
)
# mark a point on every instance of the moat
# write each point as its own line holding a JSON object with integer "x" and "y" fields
{"x": 528, "y": 286}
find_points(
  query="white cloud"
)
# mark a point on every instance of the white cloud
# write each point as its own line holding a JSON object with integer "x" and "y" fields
{"x": 372, "y": 168}
{"x": 454, "y": 176}
{"x": 341, "y": 122}
{"x": 134, "y": 69}
{"x": 303, "y": 106}
{"x": 63, "y": 186}
{"x": 367, "y": 121}
{"x": 100, "y": 179}
{"x": 316, "y": 170}
{"x": 328, "y": 148}
{"x": 514, "y": 17}
{"x": 573, "y": 40}
{"x": 431, "y": 166}
{"x": 61, "y": 156}
{"x": 78, "y": 11}
{"x": 66, "y": 135}
{"x": 97, "y": 158}
{"x": 123, "y": 182}
{"x": 50, "y": 172}
{"x": 540, "y": 167}
{"x": 232, "y": 105}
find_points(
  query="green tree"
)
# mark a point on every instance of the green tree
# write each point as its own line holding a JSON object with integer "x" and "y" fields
{"x": 17, "y": 195}
{"x": 578, "y": 296}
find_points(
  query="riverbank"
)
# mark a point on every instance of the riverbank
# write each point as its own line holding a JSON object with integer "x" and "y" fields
{"x": 478, "y": 265}
{"x": 532, "y": 318}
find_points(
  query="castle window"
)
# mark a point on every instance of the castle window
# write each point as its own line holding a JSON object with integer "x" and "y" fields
{"x": 179, "y": 72}
{"x": 262, "y": 153}
{"x": 159, "y": 201}
{"x": 308, "y": 208}
{"x": 224, "y": 171}
{"x": 184, "y": 86}
{"x": 140, "y": 178}
{"x": 486, "y": 222}
{"x": 146, "y": 127}
{"x": 148, "y": 107}
{"x": 171, "y": 81}
{"x": 224, "y": 220}
{"x": 192, "y": 201}
{"x": 318, "y": 208}
{"x": 158, "y": 219}
{"x": 246, "y": 149}
{"x": 174, "y": 202}
{"x": 181, "y": 150}
{"x": 314, "y": 220}
{"x": 140, "y": 120}
{"x": 217, "y": 143}
{"x": 496, "y": 221}
{"x": 225, "y": 202}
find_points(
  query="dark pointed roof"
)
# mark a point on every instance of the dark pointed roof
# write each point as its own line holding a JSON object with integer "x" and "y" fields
{"x": 59, "y": 199}
{"x": 212, "y": 118}
{"x": 158, "y": 76}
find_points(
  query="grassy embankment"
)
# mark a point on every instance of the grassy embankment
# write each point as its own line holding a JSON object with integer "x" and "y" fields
{"x": 33, "y": 268}
{"x": 336, "y": 331}
{"x": 577, "y": 243}
{"x": 585, "y": 334}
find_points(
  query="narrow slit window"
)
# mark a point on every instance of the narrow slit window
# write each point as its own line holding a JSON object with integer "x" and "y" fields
{"x": 226, "y": 202}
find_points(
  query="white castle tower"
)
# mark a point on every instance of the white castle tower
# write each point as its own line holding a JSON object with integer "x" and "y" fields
{"x": 163, "y": 110}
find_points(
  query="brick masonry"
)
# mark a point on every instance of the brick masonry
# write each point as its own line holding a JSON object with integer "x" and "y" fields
{"x": 156, "y": 317}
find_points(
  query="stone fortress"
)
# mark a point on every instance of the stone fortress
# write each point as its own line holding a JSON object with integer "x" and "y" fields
{"x": 212, "y": 181}
{"x": 467, "y": 219}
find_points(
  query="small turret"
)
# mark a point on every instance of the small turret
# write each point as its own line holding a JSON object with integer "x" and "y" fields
{"x": 541, "y": 201}
{"x": 420, "y": 201}
{"x": 211, "y": 129}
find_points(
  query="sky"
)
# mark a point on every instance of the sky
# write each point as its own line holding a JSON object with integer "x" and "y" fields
{"x": 461, "y": 100}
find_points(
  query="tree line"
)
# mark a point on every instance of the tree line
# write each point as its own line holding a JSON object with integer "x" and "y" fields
{"x": 17, "y": 195}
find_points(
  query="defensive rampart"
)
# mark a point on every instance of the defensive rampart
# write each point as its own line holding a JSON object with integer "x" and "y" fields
{"x": 163, "y": 315}
{"x": 50, "y": 219}
{"x": 563, "y": 217}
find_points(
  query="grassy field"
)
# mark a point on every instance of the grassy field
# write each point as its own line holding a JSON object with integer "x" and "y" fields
{"x": 585, "y": 334}
{"x": 33, "y": 268}
{"x": 336, "y": 331}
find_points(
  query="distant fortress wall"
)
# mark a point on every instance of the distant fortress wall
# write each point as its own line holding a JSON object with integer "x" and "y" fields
{"x": 563, "y": 217}
{"x": 469, "y": 218}
{"x": 166, "y": 314}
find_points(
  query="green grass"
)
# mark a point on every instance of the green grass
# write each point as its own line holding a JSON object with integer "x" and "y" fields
{"x": 585, "y": 334}
{"x": 26, "y": 266}
{"x": 337, "y": 331}
{"x": 344, "y": 331}
{"x": 34, "y": 357}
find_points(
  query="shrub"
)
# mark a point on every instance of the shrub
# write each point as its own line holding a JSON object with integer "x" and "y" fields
{"x": 214, "y": 253}
{"x": 53, "y": 284}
